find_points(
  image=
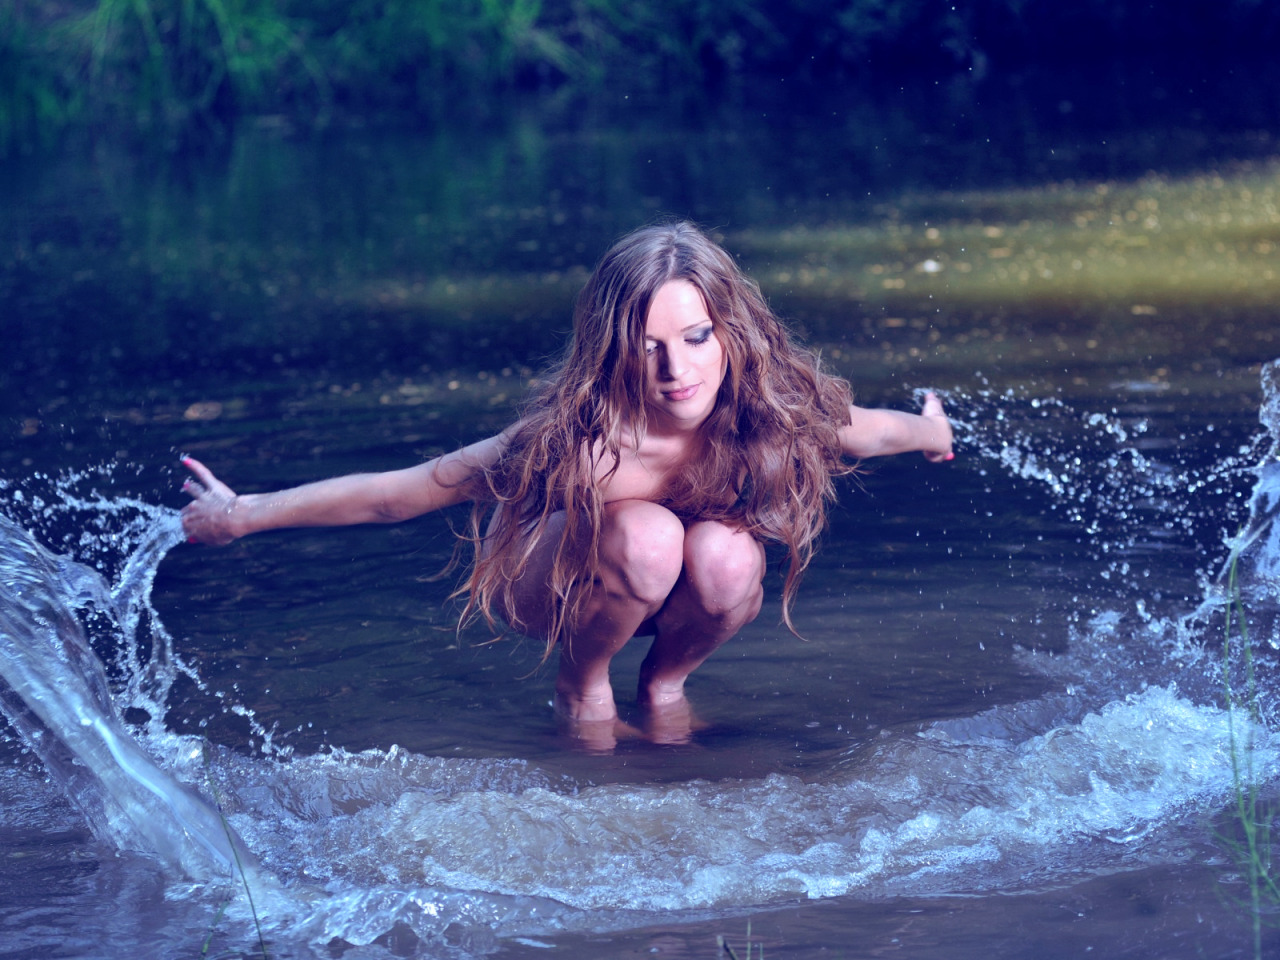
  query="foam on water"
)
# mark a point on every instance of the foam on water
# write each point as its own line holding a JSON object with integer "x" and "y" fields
{"x": 917, "y": 807}
{"x": 465, "y": 852}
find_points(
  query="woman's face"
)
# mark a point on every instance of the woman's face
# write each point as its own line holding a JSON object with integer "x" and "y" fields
{"x": 684, "y": 360}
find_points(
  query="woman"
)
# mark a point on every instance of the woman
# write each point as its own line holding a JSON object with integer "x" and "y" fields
{"x": 683, "y": 430}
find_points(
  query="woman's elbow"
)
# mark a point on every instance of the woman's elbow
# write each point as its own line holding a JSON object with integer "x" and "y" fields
{"x": 388, "y": 513}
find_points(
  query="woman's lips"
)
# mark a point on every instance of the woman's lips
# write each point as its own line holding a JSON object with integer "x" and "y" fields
{"x": 684, "y": 393}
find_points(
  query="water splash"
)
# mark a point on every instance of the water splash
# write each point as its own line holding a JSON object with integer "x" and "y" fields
{"x": 56, "y": 693}
{"x": 467, "y": 852}
{"x": 1105, "y": 473}
{"x": 1130, "y": 504}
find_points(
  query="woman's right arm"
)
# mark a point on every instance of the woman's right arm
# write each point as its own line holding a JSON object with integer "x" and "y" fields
{"x": 217, "y": 515}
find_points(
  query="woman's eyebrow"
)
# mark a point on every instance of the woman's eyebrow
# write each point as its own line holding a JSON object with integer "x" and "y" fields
{"x": 684, "y": 330}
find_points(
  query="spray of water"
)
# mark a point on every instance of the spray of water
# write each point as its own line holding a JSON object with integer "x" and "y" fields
{"x": 458, "y": 851}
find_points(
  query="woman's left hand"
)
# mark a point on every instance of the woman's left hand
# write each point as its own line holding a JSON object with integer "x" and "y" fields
{"x": 933, "y": 411}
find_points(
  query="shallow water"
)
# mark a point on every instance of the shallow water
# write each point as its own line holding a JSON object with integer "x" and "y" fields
{"x": 995, "y": 739}
{"x": 963, "y": 719}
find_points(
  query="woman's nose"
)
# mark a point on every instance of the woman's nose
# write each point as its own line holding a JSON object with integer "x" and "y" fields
{"x": 674, "y": 364}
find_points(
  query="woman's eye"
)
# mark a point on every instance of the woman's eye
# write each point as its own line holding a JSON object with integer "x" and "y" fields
{"x": 702, "y": 336}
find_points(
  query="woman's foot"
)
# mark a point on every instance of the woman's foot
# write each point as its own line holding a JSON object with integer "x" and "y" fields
{"x": 590, "y": 706}
{"x": 581, "y": 722}
{"x": 659, "y": 691}
{"x": 671, "y": 722}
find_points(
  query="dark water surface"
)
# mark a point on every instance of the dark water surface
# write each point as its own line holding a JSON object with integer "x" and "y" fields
{"x": 994, "y": 738}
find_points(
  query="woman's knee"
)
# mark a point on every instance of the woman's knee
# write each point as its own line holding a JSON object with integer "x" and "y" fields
{"x": 642, "y": 543}
{"x": 724, "y": 566}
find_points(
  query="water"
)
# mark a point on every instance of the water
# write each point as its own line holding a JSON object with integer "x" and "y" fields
{"x": 1112, "y": 767}
{"x": 1003, "y": 733}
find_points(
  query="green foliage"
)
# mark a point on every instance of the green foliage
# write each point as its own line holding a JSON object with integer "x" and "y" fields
{"x": 407, "y": 54}
{"x": 170, "y": 64}
{"x": 235, "y": 852}
{"x": 725, "y": 949}
{"x": 37, "y": 98}
{"x": 167, "y": 67}
{"x": 1252, "y": 847}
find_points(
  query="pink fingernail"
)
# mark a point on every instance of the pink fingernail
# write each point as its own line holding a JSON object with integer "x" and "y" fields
{"x": 950, "y": 456}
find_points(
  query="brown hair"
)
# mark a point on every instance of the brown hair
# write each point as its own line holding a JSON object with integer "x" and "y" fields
{"x": 771, "y": 442}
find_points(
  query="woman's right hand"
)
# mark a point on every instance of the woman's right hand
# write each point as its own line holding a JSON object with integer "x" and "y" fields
{"x": 208, "y": 517}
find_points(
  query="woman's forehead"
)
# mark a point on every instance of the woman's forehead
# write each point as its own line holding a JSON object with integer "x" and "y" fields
{"x": 675, "y": 306}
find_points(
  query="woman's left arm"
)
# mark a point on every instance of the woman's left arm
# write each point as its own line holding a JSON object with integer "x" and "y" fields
{"x": 881, "y": 433}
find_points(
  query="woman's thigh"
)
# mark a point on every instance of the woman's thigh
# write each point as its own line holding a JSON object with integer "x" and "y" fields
{"x": 723, "y": 568}
{"x": 641, "y": 557}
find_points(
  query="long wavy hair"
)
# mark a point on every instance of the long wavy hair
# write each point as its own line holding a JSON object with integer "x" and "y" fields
{"x": 771, "y": 446}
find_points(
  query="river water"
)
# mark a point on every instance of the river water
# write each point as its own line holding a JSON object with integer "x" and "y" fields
{"x": 1003, "y": 732}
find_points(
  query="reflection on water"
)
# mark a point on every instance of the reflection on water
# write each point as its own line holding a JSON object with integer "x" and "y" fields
{"x": 951, "y": 225}
{"x": 995, "y": 694}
